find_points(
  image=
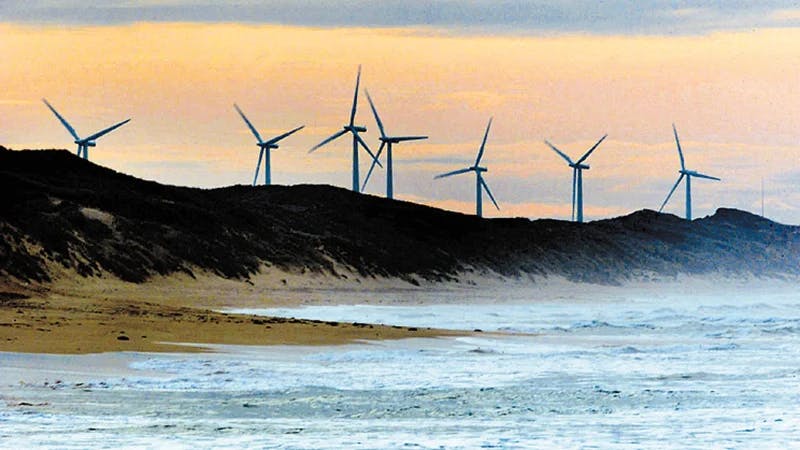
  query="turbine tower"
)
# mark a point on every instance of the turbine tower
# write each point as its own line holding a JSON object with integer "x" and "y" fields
{"x": 354, "y": 130}
{"x": 480, "y": 184}
{"x": 266, "y": 147}
{"x": 684, "y": 173}
{"x": 577, "y": 178}
{"x": 386, "y": 141}
{"x": 89, "y": 141}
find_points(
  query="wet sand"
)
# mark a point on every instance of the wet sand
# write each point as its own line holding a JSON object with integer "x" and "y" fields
{"x": 75, "y": 325}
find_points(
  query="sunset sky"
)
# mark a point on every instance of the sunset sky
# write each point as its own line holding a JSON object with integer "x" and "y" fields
{"x": 727, "y": 73}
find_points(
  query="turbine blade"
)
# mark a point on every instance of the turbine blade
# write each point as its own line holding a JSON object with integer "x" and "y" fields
{"x": 337, "y": 135}
{"x": 408, "y": 138}
{"x": 455, "y": 172}
{"x": 249, "y": 125}
{"x": 678, "y": 143}
{"x": 355, "y": 97}
{"x": 560, "y": 153}
{"x": 375, "y": 113}
{"x": 680, "y": 178}
{"x": 63, "y": 120}
{"x": 583, "y": 158}
{"x": 258, "y": 165}
{"x": 106, "y": 131}
{"x": 366, "y": 147}
{"x": 486, "y": 187}
{"x": 702, "y": 175}
{"x": 483, "y": 144}
{"x": 372, "y": 166}
{"x": 287, "y": 134}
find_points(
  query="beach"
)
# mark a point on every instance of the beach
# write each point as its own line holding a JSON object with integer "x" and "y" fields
{"x": 91, "y": 322}
{"x": 80, "y": 315}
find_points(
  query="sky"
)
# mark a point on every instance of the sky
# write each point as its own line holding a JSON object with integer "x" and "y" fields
{"x": 569, "y": 71}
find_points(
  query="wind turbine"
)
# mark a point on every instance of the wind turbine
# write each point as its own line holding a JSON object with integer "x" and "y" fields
{"x": 386, "y": 141}
{"x": 688, "y": 174}
{"x": 480, "y": 184}
{"x": 266, "y": 147}
{"x": 577, "y": 178}
{"x": 354, "y": 130}
{"x": 89, "y": 141}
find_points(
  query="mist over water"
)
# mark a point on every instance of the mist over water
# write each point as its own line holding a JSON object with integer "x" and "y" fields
{"x": 683, "y": 372}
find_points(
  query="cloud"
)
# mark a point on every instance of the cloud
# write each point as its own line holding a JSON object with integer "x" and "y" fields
{"x": 477, "y": 16}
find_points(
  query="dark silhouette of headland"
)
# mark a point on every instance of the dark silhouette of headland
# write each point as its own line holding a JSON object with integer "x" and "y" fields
{"x": 59, "y": 212}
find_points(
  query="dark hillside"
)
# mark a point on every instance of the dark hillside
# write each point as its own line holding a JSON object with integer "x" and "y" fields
{"x": 59, "y": 209}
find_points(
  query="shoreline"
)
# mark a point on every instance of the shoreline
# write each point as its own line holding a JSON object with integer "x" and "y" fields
{"x": 76, "y": 315}
{"x": 71, "y": 325}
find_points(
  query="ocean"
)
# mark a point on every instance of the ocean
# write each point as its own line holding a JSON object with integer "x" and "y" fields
{"x": 661, "y": 371}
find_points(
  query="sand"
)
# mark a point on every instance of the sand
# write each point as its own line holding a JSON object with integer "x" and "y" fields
{"x": 73, "y": 325}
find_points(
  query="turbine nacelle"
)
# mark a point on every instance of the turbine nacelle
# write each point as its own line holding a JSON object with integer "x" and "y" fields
{"x": 479, "y": 169}
{"x": 355, "y": 128}
{"x": 579, "y": 166}
{"x": 267, "y": 145}
{"x": 87, "y": 143}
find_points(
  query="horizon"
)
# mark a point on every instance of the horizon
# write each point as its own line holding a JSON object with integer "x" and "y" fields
{"x": 722, "y": 74}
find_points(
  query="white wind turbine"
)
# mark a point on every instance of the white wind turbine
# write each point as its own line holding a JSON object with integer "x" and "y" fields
{"x": 577, "y": 178}
{"x": 88, "y": 141}
{"x": 353, "y": 129}
{"x": 684, "y": 173}
{"x": 480, "y": 184}
{"x": 386, "y": 141}
{"x": 266, "y": 147}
